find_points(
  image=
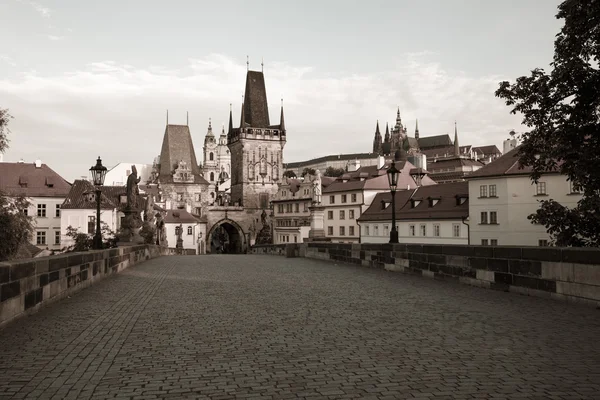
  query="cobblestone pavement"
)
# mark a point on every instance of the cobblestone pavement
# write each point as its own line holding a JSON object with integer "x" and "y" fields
{"x": 242, "y": 327}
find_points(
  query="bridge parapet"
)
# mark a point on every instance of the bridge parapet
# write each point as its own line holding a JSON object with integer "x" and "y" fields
{"x": 27, "y": 285}
{"x": 571, "y": 274}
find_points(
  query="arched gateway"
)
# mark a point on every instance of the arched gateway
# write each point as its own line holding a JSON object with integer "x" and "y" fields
{"x": 226, "y": 236}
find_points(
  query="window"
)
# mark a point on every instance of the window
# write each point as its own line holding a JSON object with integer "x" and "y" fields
{"x": 342, "y": 231}
{"x": 436, "y": 230}
{"x": 493, "y": 242}
{"x": 493, "y": 191}
{"x": 351, "y": 231}
{"x": 25, "y": 211}
{"x": 56, "y": 237}
{"x": 199, "y": 211}
{"x": 305, "y": 206}
{"x": 543, "y": 243}
{"x": 353, "y": 197}
{"x": 179, "y": 196}
{"x": 423, "y": 230}
{"x": 91, "y": 225}
{"x": 483, "y": 191}
{"x": 197, "y": 197}
{"x": 456, "y": 230}
{"x": 330, "y": 230}
{"x": 297, "y": 207}
{"x": 41, "y": 237}
{"x": 386, "y": 230}
{"x": 572, "y": 190}
{"x": 411, "y": 230}
{"x": 329, "y": 214}
{"x": 211, "y": 157}
{"x": 295, "y": 239}
{"x": 493, "y": 217}
{"x": 263, "y": 199}
{"x": 376, "y": 230}
{"x": 212, "y": 176}
{"x": 484, "y": 219}
{"x": 484, "y": 242}
{"x": 342, "y": 214}
{"x": 331, "y": 199}
{"x": 57, "y": 212}
{"x": 366, "y": 230}
{"x": 344, "y": 198}
{"x": 41, "y": 210}
{"x": 351, "y": 214}
{"x": 540, "y": 189}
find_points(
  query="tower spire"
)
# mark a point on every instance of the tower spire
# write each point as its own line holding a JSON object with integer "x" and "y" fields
{"x": 230, "y": 119}
{"x": 167, "y": 116}
{"x": 247, "y": 63}
{"x": 281, "y": 120}
{"x": 417, "y": 129}
{"x": 262, "y": 65}
{"x": 242, "y": 118}
{"x": 456, "y": 146}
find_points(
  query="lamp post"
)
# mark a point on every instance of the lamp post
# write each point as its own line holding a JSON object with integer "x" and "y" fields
{"x": 98, "y": 173}
{"x": 392, "y": 174}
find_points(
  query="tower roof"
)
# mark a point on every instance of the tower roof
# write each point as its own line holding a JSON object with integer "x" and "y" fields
{"x": 177, "y": 146}
{"x": 256, "y": 111}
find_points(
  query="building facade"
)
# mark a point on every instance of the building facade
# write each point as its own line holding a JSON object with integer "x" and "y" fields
{"x": 432, "y": 214}
{"x": 216, "y": 168}
{"x": 502, "y": 195}
{"x": 46, "y": 192}
{"x": 291, "y": 213}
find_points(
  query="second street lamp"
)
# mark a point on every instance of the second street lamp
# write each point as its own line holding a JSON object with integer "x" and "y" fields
{"x": 98, "y": 173}
{"x": 392, "y": 174}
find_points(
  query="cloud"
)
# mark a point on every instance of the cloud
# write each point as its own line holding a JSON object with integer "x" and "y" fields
{"x": 42, "y": 10}
{"x": 55, "y": 38}
{"x": 118, "y": 111}
{"x": 8, "y": 60}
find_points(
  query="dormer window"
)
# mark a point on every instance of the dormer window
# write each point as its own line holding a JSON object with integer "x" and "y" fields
{"x": 23, "y": 181}
{"x": 414, "y": 203}
{"x": 433, "y": 201}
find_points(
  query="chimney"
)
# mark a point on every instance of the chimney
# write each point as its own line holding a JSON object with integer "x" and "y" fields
{"x": 21, "y": 161}
{"x": 38, "y": 163}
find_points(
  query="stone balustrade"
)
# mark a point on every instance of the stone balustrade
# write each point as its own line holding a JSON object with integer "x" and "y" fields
{"x": 571, "y": 274}
{"x": 27, "y": 285}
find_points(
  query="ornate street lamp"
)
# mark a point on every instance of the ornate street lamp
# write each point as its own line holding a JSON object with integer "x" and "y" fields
{"x": 98, "y": 173}
{"x": 392, "y": 174}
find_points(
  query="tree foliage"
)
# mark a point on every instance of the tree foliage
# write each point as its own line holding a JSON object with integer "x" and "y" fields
{"x": 334, "y": 172}
{"x": 84, "y": 241}
{"x": 5, "y": 117}
{"x": 308, "y": 171}
{"x": 562, "y": 110}
{"x": 16, "y": 228}
{"x": 289, "y": 174}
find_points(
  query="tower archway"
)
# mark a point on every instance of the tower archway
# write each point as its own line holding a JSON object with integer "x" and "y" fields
{"x": 226, "y": 236}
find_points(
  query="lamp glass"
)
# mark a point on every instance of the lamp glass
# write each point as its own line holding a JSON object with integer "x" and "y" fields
{"x": 98, "y": 173}
{"x": 392, "y": 174}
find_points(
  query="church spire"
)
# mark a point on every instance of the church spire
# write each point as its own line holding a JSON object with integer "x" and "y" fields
{"x": 456, "y": 146}
{"x": 377, "y": 140}
{"x": 210, "y": 132}
{"x": 417, "y": 129}
{"x": 281, "y": 120}
{"x": 387, "y": 132}
{"x": 242, "y": 119}
{"x": 230, "y": 119}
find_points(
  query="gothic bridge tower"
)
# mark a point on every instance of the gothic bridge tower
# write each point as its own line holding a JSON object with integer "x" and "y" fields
{"x": 256, "y": 148}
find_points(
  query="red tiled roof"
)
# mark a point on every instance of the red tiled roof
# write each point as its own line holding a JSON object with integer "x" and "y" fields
{"x": 81, "y": 196}
{"x": 28, "y": 180}
{"x": 179, "y": 216}
{"x": 506, "y": 165}
{"x": 445, "y": 208}
{"x": 490, "y": 149}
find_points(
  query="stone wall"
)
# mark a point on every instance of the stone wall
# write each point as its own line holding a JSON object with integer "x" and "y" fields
{"x": 571, "y": 274}
{"x": 27, "y": 285}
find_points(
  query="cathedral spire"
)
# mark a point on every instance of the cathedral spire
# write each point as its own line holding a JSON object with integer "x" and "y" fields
{"x": 417, "y": 129}
{"x": 210, "y": 132}
{"x": 456, "y": 146}
{"x": 377, "y": 140}
{"x": 387, "y": 132}
{"x": 281, "y": 120}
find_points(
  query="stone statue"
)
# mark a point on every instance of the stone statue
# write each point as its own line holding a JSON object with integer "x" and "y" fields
{"x": 132, "y": 188}
{"x": 263, "y": 218}
{"x": 316, "y": 182}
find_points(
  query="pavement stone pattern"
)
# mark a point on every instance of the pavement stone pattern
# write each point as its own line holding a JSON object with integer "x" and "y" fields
{"x": 265, "y": 327}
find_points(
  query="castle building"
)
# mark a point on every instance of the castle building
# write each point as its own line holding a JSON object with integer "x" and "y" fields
{"x": 217, "y": 161}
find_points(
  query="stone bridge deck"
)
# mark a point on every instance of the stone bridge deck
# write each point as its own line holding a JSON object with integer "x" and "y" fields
{"x": 267, "y": 327}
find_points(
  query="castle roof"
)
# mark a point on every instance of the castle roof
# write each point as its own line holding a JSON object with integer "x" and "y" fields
{"x": 28, "y": 180}
{"x": 256, "y": 111}
{"x": 434, "y": 141}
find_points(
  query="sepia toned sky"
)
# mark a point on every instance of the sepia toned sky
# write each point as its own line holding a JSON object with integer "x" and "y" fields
{"x": 89, "y": 78}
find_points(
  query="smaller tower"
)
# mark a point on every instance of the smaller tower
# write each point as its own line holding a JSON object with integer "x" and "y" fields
{"x": 417, "y": 129}
{"x": 377, "y": 142}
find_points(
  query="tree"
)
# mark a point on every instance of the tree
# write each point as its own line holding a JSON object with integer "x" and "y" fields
{"x": 84, "y": 241}
{"x": 334, "y": 172}
{"x": 308, "y": 171}
{"x": 5, "y": 117}
{"x": 16, "y": 227}
{"x": 289, "y": 174}
{"x": 562, "y": 110}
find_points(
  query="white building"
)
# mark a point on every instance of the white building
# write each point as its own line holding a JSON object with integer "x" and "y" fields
{"x": 45, "y": 190}
{"x": 117, "y": 175}
{"x": 291, "y": 214}
{"x": 429, "y": 214}
{"x": 193, "y": 232}
{"x": 351, "y": 194}
{"x": 79, "y": 209}
{"x": 502, "y": 196}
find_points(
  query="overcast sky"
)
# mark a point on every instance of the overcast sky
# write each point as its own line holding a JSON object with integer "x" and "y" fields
{"x": 85, "y": 78}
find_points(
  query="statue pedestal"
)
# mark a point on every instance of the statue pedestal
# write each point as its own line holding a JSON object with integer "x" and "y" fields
{"x": 129, "y": 232}
{"x": 317, "y": 224}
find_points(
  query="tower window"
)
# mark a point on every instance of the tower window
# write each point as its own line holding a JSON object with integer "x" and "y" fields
{"x": 212, "y": 174}
{"x": 211, "y": 156}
